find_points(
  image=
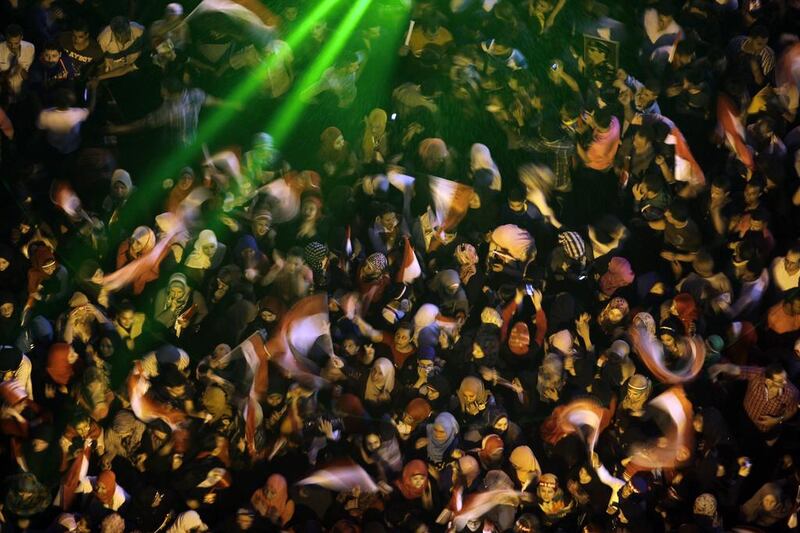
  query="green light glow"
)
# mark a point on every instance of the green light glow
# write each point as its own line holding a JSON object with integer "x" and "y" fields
{"x": 281, "y": 125}
{"x": 247, "y": 88}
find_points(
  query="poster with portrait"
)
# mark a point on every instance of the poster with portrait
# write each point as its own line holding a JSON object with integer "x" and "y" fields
{"x": 597, "y": 50}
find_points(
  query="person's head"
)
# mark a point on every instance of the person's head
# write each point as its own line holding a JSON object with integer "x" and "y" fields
{"x": 678, "y": 213}
{"x": 643, "y": 138}
{"x": 126, "y": 314}
{"x": 311, "y": 208}
{"x": 121, "y": 28}
{"x": 403, "y": 334}
{"x": 294, "y": 260}
{"x": 13, "y": 35}
{"x": 173, "y": 12}
{"x": 262, "y": 222}
{"x": 387, "y": 217}
{"x": 791, "y": 261}
{"x": 430, "y": 25}
{"x": 375, "y": 265}
{"x": 177, "y": 288}
{"x": 653, "y": 184}
{"x": 758, "y": 36}
{"x": 51, "y": 54}
{"x": 516, "y": 200}
{"x": 775, "y": 377}
{"x": 703, "y": 263}
{"x": 372, "y": 441}
{"x": 752, "y": 193}
{"x": 684, "y": 53}
{"x": 666, "y": 13}
{"x": 6, "y": 308}
{"x": 80, "y": 33}
{"x": 547, "y": 487}
{"x": 171, "y": 86}
{"x": 245, "y": 518}
{"x": 82, "y": 425}
{"x": 647, "y": 93}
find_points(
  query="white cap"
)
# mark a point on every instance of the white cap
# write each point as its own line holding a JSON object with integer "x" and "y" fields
{"x": 174, "y": 9}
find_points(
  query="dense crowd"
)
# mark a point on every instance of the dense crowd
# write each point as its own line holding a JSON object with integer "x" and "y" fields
{"x": 498, "y": 265}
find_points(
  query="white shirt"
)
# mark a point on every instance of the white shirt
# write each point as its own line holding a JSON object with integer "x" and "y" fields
{"x": 783, "y": 280}
{"x": 63, "y": 127}
{"x": 26, "y": 54}
{"x": 110, "y": 45}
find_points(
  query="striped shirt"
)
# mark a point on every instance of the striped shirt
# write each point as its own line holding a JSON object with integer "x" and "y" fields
{"x": 179, "y": 114}
{"x": 766, "y": 57}
{"x": 756, "y": 402}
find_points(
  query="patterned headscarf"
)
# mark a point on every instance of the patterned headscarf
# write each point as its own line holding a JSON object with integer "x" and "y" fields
{"x": 467, "y": 258}
{"x": 573, "y": 244}
{"x": 314, "y": 256}
{"x": 378, "y": 262}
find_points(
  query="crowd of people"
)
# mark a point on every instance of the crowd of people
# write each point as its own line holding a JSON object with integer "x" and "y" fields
{"x": 523, "y": 265}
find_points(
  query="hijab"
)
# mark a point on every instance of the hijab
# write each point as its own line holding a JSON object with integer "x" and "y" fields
{"x": 522, "y": 459}
{"x": 108, "y": 480}
{"x": 373, "y": 391}
{"x": 619, "y": 274}
{"x": 146, "y": 237}
{"x": 417, "y": 467}
{"x": 616, "y": 304}
{"x": 179, "y": 279}
{"x": 13, "y": 273}
{"x": 327, "y": 151}
{"x": 433, "y": 152}
{"x": 278, "y": 504}
{"x": 59, "y": 368}
{"x": 42, "y": 257}
{"x": 551, "y": 374}
{"x": 753, "y": 510}
{"x": 469, "y": 468}
{"x": 198, "y": 258}
{"x": 376, "y": 120}
{"x": 686, "y": 310}
{"x": 491, "y": 452}
{"x": 473, "y": 386}
{"x": 481, "y": 159}
{"x": 436, "y": 449}
{"x": 646, "y": 320}
{"x": 9, "y": 327}
{"x": 467, "y": 258}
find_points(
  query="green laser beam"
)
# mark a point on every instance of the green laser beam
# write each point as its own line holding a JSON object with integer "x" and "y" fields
{"x": 282, "y": 124}
{"x": 247, "y": 88}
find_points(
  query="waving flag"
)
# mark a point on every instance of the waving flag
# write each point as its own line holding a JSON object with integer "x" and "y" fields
{"x": 576, "y": 417}
{"x": 477, "y": 505}
{"x": 141, "y": 270}
{"x": 409, "y": 268}
{"x": 678, "y": 444}
{"x": 787, "y": 72}
{"x": 72, "y": 478}
{"x": 651, "y": 352}
{"x": 450, "y": 201}
{"x": 686, "y": 167}
{"x": 304, "y": 326}
{"x": 341, "y": 478}
{"x": 146, "y": 408}
{"x": 730, "y": 127}
{"x": 240, "y": 18}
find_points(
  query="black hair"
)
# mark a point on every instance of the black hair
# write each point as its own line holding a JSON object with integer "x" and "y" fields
{"x": 647, "y": 132}
{"x": 295, "y": 251}
{"x": 408, "y": 326}
{"x": 51, "y": 45}
{"x": 759, "y": 31}
{"x": 81, "y": 25}
{"x": 603, "y": 117}
{"x": 63, "y": 98}
{"x": 516, "y": 194}
{"x": 172, "y": 84}
{"x": 654, "y": 182}
{"x": 13, "y": 30}
{"x": 773, "y": 369}
{"x": 679, "y": 210}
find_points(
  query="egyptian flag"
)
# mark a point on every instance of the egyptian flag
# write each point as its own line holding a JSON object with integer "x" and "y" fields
{"x": 72, "y": 478}
{"x": 240, "y": 18}
{"x": 687, "y": 169}
{"x": 583, "y": 416}
{"x": 341, "y": 478}
{"x": 409, "y": 268}
{"x": 651, "y": 352}
{"x": 141, "y": 270}
{"x": 146, "y": 408}
{"x": 477, "y": 505}
{"x": 679, "y": 435}
{"x": 254, "y": 353}
{"x": 305, "y": 326}
{"x": 450, "y": 202}
{"x": 730, "y": 127}
{"x": 787, "y": 71}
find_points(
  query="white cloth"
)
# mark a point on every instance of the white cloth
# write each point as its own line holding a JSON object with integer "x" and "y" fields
{"x": 110, "y": 45}
{"x": 26, "y": 55}
{"x": 783, "y": 281}
{"x": 63, "y": 127}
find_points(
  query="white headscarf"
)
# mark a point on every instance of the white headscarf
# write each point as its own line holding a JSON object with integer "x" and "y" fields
{"x": 198, "y": 258}
{"x": 374, "y": 393}
{"x": 481, "y": 159}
